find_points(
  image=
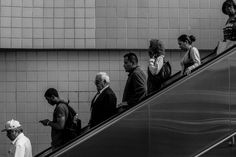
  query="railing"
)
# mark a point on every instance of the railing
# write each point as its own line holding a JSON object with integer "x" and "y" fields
{"x": 210, "y": 149}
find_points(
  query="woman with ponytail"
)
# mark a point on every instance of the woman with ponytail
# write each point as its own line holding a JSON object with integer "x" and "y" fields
{"x": 191, "y": 59}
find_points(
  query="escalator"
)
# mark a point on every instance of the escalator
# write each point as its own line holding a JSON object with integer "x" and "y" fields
{"x": 183, "y": 119}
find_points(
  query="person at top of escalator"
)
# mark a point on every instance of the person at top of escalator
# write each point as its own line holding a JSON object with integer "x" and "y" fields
{"x": 191, "y": 59}
{"x": 229, "y": 8}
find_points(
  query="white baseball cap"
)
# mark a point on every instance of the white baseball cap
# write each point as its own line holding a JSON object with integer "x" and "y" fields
{"x": 11, "y": 125}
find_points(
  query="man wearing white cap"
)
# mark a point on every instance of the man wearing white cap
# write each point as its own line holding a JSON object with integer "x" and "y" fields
{"x": 21, "y": 146}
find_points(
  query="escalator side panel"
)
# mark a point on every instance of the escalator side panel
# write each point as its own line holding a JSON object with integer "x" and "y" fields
{"x": 223, "y": 147}
{"x": 128, "y": 137}
{"x": 192, "y": 115}
{"x": 233, "y": 91}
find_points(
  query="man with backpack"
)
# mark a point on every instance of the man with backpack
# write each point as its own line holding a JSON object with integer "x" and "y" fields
{"x": 159, "y": 70}
{"x": 62, "y": 122}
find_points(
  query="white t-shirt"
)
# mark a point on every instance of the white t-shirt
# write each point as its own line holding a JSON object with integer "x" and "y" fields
{"x": 21, "y": 147}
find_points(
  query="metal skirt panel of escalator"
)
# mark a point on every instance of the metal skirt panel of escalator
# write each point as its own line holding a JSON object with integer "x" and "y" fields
{"x": 226, "y": 147}
{"x": 192, "y": 115}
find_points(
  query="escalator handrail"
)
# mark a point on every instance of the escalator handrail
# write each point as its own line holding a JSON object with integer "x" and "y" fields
{"x": 44, "y": 151}
{"x": 227, "y": 137}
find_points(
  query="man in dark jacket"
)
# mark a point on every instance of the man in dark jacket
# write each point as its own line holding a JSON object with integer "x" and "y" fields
{"x": 103, "y": 105}
{"x": 136, "y": 85}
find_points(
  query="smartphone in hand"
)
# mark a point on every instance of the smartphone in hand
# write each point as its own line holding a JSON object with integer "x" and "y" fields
{"x": 44, "y": 122}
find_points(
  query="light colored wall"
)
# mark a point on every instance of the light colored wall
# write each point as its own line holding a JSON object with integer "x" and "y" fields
{"x": 108, "y": 23}
{"x": 47, "y": 24}
{"x": 131, "y": 23}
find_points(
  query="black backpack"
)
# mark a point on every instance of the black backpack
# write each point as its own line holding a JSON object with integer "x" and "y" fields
{"x": 73, "y": 123}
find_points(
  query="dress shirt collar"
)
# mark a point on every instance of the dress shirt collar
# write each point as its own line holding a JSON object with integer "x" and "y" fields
{"x": 17, "y": 138}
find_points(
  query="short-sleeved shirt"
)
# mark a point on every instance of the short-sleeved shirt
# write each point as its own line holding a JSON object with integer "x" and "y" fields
{"x": 58, "y": 136}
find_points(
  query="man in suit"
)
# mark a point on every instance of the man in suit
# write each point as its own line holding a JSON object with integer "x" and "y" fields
{"x": 103, "y": 104}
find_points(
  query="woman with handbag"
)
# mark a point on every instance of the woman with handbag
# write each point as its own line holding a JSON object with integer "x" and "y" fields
{"x": 159, "y": 70}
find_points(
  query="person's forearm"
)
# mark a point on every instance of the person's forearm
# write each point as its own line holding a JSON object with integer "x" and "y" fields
{"x": 196, "y": 64}
{"x": 155, "y": 65}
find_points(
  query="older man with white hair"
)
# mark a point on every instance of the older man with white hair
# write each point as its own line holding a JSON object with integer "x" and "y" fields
{"x": 103, "y": 104}
{"x": 21, "y": 146}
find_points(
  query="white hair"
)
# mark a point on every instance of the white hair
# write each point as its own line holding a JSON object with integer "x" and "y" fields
{"x": 103, "y": 76}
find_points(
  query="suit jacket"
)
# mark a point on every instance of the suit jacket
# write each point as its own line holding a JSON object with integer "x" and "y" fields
{"x": 103, "y": 107}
